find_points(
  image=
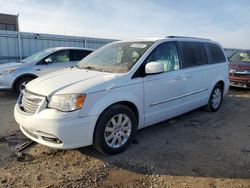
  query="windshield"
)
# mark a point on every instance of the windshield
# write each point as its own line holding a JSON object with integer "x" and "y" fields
{"x": 116, "y": 57}
{"x": 36, "y": 56}
{"x": 240, "y": 56}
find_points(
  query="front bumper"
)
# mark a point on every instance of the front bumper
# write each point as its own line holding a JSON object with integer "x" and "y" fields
{"x": 240, "y": 82}
{"x": 57, "y": 129}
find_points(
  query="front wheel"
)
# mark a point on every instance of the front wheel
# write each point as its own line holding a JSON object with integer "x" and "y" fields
{"x": 21, "y": 84}
{"x": 114, "y": 129}
{"x": 215, "y": 99}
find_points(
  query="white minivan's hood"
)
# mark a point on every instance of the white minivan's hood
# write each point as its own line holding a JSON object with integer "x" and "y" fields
{"x": 68, "y": 81}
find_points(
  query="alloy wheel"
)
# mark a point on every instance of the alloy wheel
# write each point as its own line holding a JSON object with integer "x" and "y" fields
{"x": 118, "y": 131}
{"x": 216, "y": 100}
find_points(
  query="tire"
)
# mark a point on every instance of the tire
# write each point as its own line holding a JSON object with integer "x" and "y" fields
{"x": 215, "y": 99}
{"x": 110, "y": 138}
{"x": 21, "y": 83}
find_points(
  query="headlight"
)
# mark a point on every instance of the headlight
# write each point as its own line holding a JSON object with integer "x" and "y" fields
{"x": 67, "y": 102}
{"x": 7, "y": 71}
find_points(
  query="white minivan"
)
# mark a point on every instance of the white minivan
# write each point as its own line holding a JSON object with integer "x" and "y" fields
{"x": 120, "y": 88}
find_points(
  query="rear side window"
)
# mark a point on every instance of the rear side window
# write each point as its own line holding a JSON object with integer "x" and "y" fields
{"x": 77, "y": 55}
{"x": 193, "y": 54}
{"x": 214, "y": 53}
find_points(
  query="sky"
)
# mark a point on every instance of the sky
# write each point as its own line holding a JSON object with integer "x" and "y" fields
{"x": 225, "y": 21}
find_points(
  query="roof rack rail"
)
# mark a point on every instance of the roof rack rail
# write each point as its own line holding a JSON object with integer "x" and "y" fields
{"x": 185, "y": 37}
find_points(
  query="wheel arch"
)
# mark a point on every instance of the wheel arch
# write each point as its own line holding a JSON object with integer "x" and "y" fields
{"x": 132, "y": 106}
{"x": 29, "y": 75}
{"x": 218, "y": 80}
{"x": 128, "y": 104}
{"x": 222, "y": 84}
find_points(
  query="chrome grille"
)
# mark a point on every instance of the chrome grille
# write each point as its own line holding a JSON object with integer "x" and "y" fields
{"x": 30, "y": 102}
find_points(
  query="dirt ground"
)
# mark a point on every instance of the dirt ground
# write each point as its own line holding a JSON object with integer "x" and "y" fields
{"x": 198, "y": 149}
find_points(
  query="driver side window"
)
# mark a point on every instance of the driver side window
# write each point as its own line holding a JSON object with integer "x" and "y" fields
{"x": 60, "y": 56}
{"x": 166, "y": 54}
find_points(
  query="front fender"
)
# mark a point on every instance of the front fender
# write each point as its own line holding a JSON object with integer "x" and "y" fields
{"x": 97, "y": 102}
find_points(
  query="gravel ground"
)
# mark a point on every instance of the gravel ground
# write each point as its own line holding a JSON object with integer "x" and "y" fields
{"x": 197, "y": 149}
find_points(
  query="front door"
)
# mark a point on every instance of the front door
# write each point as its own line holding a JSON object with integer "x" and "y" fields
{"x": 163, "y": 93}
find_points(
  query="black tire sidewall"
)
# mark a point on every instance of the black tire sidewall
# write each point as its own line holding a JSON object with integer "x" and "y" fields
{"x": 99, "y": 140}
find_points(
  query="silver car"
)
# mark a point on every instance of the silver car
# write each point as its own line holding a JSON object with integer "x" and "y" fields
{"x": 14, "y": 76}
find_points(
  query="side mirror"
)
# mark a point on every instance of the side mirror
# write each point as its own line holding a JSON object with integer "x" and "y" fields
{"x": 47, "y": 61}
{"x": 154, "y": 68}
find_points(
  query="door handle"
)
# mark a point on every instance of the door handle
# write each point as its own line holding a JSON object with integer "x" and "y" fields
{"x": 179, "y": 78}
{"x": 38, "y": 69}
{"x": 189, "y": 76}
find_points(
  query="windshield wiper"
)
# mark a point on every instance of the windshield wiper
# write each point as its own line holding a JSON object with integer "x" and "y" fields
{"x": 89, "y": 67}
{"x": 77, "y": 66}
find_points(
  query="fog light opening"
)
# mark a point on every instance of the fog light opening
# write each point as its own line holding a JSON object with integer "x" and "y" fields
{"x": 54, "y": 140}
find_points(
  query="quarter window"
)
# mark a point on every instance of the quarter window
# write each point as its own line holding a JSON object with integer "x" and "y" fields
{"x": 215, "y": 53}
{"x": 193, "y": 54}
{"x": 166, "y": 54}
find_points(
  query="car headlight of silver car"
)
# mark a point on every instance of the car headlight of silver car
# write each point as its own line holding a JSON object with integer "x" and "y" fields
{"x": 7, "y": 71}
{"x": 67, "y": 102}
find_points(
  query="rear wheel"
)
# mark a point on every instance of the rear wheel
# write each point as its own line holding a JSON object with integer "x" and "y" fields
{"x": 215, "y": 99}
{"x": 114, "y": 129}
{"x": 21, "y": 84}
